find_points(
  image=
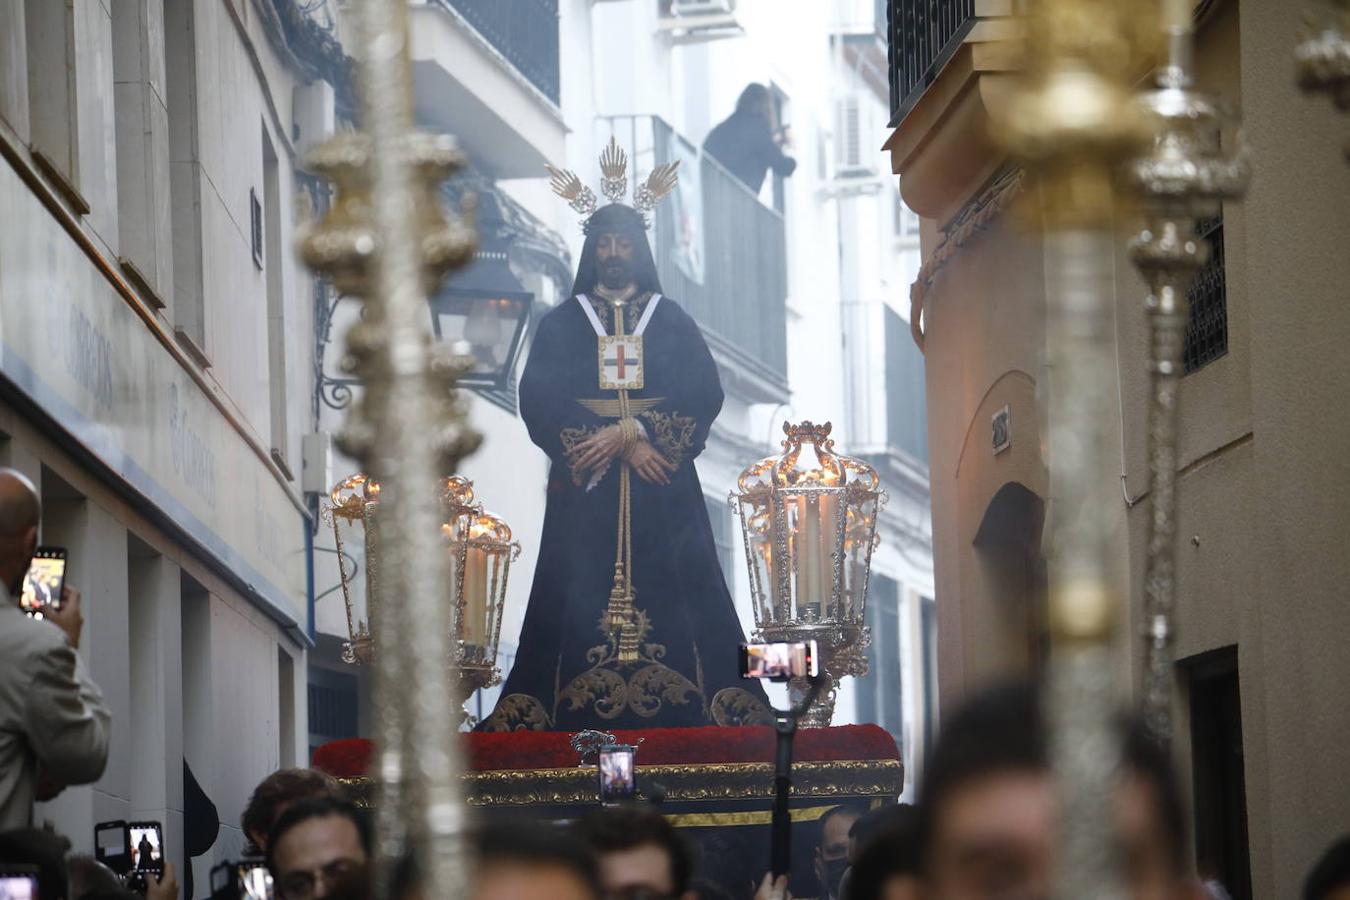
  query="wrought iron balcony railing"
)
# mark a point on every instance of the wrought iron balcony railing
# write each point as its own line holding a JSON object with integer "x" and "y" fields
{"x": 720, "y": 252}
{"x": 524, "y": 31}
{"x": 921, "y": 36}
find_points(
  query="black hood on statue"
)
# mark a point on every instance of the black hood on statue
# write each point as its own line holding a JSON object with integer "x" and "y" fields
{"x": 611, "y": 218}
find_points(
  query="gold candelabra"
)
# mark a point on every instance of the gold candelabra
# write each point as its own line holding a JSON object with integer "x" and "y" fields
{"x": 809, "y": 517}
{"x": 386, "y": 240}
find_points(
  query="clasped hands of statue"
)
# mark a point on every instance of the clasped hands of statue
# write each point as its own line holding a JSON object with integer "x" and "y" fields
{"x": 607, "y": 444}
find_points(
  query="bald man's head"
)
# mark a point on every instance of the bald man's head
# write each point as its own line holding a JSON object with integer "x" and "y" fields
{"x": 20, "y": 511}
{"x": 19, "y": 506}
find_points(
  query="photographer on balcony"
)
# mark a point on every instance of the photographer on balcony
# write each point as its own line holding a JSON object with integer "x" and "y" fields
{"x": 750, "y": 141}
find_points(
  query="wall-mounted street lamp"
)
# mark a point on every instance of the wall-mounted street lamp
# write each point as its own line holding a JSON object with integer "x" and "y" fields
{"x": 484, "y": 305}
{"x": 483, "y": 308}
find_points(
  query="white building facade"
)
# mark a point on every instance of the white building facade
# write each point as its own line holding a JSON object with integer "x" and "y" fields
{"x": 156, "y": 375}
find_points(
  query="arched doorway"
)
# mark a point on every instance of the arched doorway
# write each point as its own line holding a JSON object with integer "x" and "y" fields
{"x": 1008, "y": 551}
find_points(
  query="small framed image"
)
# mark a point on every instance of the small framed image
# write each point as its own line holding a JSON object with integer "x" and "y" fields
{"x": 1001, "y": 426}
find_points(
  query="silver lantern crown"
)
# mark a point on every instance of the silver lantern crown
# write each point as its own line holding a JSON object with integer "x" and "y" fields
{"x": 809, "y": 519}
{"x": 480, "y": 551}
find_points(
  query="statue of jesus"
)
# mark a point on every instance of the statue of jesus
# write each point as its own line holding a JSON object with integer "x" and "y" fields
{"x": 630, "y": 623}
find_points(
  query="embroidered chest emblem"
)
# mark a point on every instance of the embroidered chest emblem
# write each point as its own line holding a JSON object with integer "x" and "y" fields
{"x": 620, "y": 355}
{"x": 621, "y": 363}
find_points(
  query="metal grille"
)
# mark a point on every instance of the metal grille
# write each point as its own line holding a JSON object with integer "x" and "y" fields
{"x": 923, "y": 35}
{"x": 526, "y": 33}
{"x": 742, "y": 300}
{"x": 1207, "y": 319}
{"x": 332, "y": 709}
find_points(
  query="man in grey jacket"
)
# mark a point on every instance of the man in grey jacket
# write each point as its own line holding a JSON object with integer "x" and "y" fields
{"x": 54, "y": 724}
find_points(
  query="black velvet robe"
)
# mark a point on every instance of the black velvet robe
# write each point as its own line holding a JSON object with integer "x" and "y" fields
{"x": 565, "y": 676}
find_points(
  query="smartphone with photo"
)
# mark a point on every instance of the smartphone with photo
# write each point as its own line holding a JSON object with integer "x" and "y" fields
{"x": 780, "y": 661}
{"x": 146, "y": 840}
{"x": 254, "y": 880}
{"x": 18, "y": 882}
{"x": 618, "y": 773}
{"x": 110, "y": 846}
{"x": 42, "y": 585}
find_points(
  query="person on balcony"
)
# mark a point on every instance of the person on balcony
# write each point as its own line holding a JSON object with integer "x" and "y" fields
{"x": 630, "y": 623}
{"x": 750, "y": 142}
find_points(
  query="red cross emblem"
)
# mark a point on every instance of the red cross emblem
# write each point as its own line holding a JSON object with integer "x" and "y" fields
{"x": 621, "y": 363}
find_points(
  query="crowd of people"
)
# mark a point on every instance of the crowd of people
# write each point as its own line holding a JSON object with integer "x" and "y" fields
{"x": 985, "y": 826}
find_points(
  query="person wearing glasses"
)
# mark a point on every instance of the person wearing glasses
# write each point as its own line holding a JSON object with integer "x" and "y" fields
{"x": 319, "y": 848}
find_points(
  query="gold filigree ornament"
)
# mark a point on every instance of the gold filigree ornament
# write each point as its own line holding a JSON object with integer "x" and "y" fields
{"x": 568, "y": 186}
{"x": 607, "y": 686}
{"x": 613, "y": 171}
{"x": 614, "y": 183}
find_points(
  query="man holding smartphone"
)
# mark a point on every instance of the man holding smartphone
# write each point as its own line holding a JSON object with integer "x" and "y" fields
{"x": 54, "y": 724}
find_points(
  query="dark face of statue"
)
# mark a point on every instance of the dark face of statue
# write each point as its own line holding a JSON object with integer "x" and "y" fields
{"x": 614, "y": 253}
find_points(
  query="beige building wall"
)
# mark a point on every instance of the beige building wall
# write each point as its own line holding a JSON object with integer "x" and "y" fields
{"x": 1264, "y": 492}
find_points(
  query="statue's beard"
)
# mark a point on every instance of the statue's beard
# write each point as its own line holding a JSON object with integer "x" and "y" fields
{"x": 616, "y": 274}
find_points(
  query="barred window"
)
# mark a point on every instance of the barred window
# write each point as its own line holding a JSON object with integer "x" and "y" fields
{"x": 332, "y": 706}
{"x": 1207, "y": 320}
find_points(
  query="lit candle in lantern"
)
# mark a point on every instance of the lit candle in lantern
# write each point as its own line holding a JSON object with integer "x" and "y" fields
{"x": 474, "y": 631}
{"x": 372, "y": 548}
{"x": 829, "y": 539}
{"x": 808, "y": 557}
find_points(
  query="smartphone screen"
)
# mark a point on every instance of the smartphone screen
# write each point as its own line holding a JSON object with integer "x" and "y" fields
{"x": 618, "y": 778}
{"x": 147, "y": 846}
{"x": 42, "y": 585}
{"x": 780, "y": 661}
{"x": 255, "y": 882}
{"x": 18, "y": 883}
{"x": 110, "y": 845}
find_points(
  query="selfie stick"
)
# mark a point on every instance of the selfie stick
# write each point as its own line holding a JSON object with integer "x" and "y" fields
{"x": 785, "y": 723}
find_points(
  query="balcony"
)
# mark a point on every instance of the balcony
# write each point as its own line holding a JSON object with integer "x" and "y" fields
{"x": 859, "y": 29}
{"x": 923, "y": 36}
{"x": 523, "y": 31}
{"x": 949, "y": 62}
{"x": 487, "y": 71}
{"x": 721, "y": 254}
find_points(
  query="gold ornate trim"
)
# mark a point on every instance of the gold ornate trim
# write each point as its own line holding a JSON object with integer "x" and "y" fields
{"x": 978, "y": 214}
{"x": 755, "y": 817}
{"x": 518, "y": 712}
{"x": 632, "y": 311}
{"x": 734, "y": 706}
{"x": 571, "y": 438}
{"x": 609, "y": 409}
{"x": 611, "y": 687}
{"x": 683, "y": 783}
{"x": 671, "y": 433}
